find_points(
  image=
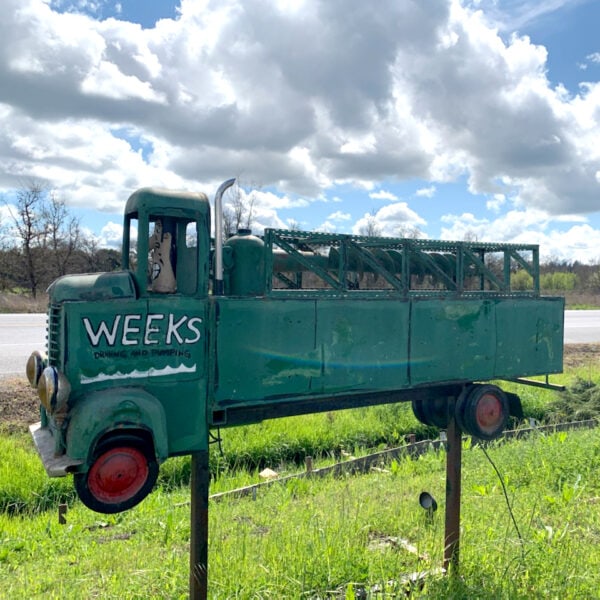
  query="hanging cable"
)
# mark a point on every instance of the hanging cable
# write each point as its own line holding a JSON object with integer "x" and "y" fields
{"x": 216, "y": 439}
{"x": 505, "y": 492}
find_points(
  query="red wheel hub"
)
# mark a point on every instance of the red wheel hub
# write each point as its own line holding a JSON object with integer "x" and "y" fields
{"x": 489, "y": 412}
{"x": 118, "y": 474}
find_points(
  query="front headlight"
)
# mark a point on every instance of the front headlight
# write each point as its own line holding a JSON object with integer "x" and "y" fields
{"x": 47, "y": 386}
{"x": 35, "y": 365}
{"x": 53, "y": 390}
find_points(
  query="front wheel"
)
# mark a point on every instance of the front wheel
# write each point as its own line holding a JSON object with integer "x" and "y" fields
{"x": 123, "y": 472}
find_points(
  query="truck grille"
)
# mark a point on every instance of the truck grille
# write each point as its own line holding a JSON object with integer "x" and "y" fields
{"x": 54, "y": 334}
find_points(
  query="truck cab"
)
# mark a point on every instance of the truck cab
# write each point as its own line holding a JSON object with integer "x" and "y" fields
{"x": 126, "y": 353}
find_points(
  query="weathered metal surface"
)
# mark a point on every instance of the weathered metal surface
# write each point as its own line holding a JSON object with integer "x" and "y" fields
{"x": 56, "y": 466}
{"x": 269, "y": 349}
{"x": 247, "y": 255}
{"x": 327, "y": 346}
{"x": 452, "y": 340}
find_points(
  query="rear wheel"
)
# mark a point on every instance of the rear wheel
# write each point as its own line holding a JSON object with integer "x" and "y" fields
{"x": 433, "y": 411}
{"x": 123, "y": 472}
{"x": 482, "y": 411}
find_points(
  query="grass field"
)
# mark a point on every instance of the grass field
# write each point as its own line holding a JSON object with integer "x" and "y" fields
{"x": 335, "y": 538}
{"x": 357, "y": 536}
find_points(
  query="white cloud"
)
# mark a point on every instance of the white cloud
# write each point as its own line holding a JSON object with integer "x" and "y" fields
{"x": 383, "y": 195}
{"x": 496, "y": 203}
{"x": 111, "y": 235}
{"x": 413, "y": 90}
{"x": 427, "y": 192}
{"x": 392, "y": 220}
{"x": 328, "y": 227}
{"x": 531, "y": 226}
{"x": 593, "y": 57}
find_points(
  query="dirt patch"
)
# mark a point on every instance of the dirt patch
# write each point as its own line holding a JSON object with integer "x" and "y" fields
{"x": 581, "y": 355}
{"x": 19, "y": 405}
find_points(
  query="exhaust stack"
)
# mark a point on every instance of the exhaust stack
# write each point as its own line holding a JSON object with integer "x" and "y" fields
{"x": 218, "y": 289}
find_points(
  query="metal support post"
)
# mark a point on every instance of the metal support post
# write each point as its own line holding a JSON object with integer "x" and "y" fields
{"x": 453, "y": 481}
{"x": 200, "y": 482}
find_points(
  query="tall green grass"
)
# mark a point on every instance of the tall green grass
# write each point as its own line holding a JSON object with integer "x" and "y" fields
{"x": 338, "y": 538}
{"x": 24, "y": 485}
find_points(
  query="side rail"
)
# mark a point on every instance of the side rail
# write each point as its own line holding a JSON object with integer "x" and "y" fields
{"x": 338, "y": 263}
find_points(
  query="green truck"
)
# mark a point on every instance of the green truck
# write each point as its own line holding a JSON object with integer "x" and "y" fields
{"x": 197, "y": 333}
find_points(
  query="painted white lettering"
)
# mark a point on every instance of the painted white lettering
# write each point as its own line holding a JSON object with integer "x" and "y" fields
{"x": 145, "y": 330}
{"x": 96, "y": 336}
{"x": 150, "y": 330}
{"x": 173, "y": 327}
{"x": 129, "y": 329}
{"x": 194, "y": 329}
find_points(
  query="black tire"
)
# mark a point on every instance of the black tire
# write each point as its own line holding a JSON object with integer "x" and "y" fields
{"x": 122, "y": 473}
{"x": 432, "y": 412}
{"x": 459, "y": 408}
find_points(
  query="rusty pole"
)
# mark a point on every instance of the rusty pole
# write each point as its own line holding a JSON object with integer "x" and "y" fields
{"x": 453, "y": 480}
{"x": 199, "y": 526}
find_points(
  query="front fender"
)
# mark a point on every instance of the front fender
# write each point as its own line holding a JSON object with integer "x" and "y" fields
{"x": 115, "y": 409}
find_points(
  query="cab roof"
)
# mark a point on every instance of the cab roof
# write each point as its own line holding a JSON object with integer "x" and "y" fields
{"x": 151, "y": 199}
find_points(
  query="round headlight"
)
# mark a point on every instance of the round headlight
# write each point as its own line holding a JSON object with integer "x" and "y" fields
{"x": 47, "y": 388}
{"x": 35, "y": 365}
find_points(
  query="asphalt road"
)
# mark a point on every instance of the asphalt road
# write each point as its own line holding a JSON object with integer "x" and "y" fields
{"x": 22, "y": 333}
{"x": 19, "y": 336}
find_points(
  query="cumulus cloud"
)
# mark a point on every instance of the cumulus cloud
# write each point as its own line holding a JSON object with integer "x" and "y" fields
{"x": 391, "y": 220}
{"x": 383, "y": 195}
{"x": 300, "y": 96}
{"x": 427, "y": 192}
{"x": 339, "y": 215}
{"x": 530, "y": 226}
{"x": 111, "y": 235}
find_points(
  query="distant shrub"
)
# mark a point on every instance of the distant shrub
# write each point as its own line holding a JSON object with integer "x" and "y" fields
{"x": 521, "y": 281}
{"x": 559, "y": 281}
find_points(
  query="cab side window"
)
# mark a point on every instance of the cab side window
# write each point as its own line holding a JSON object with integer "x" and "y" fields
{"x": 162, "y": 255}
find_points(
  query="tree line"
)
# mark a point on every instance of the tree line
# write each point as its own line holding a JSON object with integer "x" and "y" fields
{"x": 41, "y": 240}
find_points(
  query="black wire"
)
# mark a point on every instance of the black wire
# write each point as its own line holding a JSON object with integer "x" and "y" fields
{"x": 505, "y": 492}
{"x": 216, "y": 439}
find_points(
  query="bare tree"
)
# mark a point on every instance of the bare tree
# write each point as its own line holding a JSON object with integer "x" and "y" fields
{"x": 470, "y": 236}
{"x": 371, "y": 227}
{"x": 238, "y": 212}
{"x": 47, "y": 235}
{"x": 89, "y": 250}
{"x": 62, "y": 231}
{"x": 5, "y": 270}
{"x": 93, "y": 259}
{"x": 409, "y": 232}
{"x": 30, "y": 227}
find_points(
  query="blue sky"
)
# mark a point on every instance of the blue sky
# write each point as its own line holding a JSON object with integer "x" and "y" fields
{"x": 452, "y": 119}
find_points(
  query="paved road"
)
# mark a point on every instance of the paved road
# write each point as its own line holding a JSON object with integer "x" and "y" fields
{"x": 582, "y": 326}
{"x": 21, "y": 334}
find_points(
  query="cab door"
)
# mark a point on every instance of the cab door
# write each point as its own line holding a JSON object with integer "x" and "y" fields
{"x": 176, "y": 335}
